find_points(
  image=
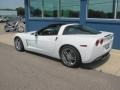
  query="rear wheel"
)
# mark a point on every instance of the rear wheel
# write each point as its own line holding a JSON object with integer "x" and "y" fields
{"x": 18, "y": 44}
{"x": 70, "y": 57}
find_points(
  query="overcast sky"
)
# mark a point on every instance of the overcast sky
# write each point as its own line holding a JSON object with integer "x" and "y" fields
{"x": 12, "y": 4}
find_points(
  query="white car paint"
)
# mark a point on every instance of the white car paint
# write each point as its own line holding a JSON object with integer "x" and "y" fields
{"x": 48, "y": 45}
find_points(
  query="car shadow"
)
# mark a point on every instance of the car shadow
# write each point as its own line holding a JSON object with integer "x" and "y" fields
{"x": 44, "y": 56}
{"x": 89, "y": 66}
{"x": 95, "y": 64}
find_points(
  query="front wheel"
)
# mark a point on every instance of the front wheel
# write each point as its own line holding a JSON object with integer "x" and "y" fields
{"x": 70, "y": 57}
{"x": 18, "y": 44}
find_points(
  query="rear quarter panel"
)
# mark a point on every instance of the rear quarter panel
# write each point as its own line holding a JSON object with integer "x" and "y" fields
{"x": 76, "y": 41}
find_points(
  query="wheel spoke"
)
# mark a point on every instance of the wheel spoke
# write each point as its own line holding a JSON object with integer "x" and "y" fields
{"x": 65, "y": 57}
{"x": 69, "y": 56}
{"x": 18, "y": 44}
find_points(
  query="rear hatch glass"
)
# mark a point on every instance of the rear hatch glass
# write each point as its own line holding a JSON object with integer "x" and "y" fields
{"x": 80, "y": 29}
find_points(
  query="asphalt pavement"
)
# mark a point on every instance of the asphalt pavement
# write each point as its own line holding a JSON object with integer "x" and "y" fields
{"x": 29, "y": 71}
{"x": 2, "y": 28}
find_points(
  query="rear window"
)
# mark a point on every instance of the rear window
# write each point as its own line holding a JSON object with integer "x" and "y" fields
{"x": 79, "y": 29}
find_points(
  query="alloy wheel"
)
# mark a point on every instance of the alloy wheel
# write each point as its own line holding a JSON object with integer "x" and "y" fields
{"x": 68, "y": 56}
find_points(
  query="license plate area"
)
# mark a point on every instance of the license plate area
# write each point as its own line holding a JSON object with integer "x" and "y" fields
{"x": 107, "y": 46}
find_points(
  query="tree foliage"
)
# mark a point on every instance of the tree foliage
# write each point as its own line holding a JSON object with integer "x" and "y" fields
{"x": 20, "y": 11}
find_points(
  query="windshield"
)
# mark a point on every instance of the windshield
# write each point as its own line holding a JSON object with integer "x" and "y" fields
{"x": 79, "y": 29}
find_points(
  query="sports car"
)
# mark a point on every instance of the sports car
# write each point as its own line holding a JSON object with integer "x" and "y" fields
{"x": 73, "y": 44}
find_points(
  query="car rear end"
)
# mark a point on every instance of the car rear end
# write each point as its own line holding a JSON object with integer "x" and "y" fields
{"x": 92, "y": 44}
{"x": 101, "y": 47}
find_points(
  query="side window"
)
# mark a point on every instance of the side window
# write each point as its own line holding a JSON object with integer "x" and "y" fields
{"x": 50, "y": 30}
{"x": 71, "y": 30}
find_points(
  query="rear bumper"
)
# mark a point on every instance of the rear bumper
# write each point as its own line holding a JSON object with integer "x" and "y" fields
{"x": 97, "y": 62}
{"x": 98, "y": 52}
{"x": 104, "y": 56}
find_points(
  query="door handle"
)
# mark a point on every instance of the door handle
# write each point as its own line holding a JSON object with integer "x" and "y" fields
{"x": 56, "y": 38}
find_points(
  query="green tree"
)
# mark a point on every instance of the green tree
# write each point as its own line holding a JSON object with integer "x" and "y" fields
{"x": 20, "y": 11}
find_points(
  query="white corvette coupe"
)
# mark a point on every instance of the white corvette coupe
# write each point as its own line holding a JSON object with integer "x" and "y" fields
{"x": 73, "y": 44}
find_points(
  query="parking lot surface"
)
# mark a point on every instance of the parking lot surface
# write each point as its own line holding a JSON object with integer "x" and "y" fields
{"x": 2, "y": 28}
{"x": 112, "y": 65}
{"x": 6, "y": 37}
{"x": 28, "y": 71}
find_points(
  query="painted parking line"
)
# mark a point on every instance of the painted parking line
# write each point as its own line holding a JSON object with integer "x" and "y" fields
{"x": 115, "y": 54}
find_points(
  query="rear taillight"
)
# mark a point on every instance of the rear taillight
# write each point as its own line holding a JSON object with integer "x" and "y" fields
{"x": 101, "y": 41}
{"x": 97, "y": 42}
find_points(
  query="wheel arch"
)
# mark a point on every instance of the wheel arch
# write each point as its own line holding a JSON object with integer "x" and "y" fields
{"x": 18, "y": 37}
{"x": 71, "y": 46}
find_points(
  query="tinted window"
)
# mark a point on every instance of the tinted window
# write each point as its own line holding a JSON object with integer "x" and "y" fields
{"x": 101, "y": 8}
{"x": 118, "y": 10}
{"x": 35, "y": 8}
{"x": 50, "y": 30}
{"x": 69, "y": 8}
{"x": 50, "y": 8}
{"x": 79, "y": 29}
{"x": 54, "y": 8}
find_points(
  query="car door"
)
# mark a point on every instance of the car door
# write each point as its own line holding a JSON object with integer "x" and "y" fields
{"x": 46, "y": 40}
{"x": 31, "y": 41}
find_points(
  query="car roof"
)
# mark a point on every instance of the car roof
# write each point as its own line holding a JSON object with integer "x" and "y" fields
{"x": 60, "y": 24}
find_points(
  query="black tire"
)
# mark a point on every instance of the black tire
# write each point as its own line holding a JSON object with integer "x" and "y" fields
{"x": 72, "y": 58}
{"x": 19, "y": 44}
